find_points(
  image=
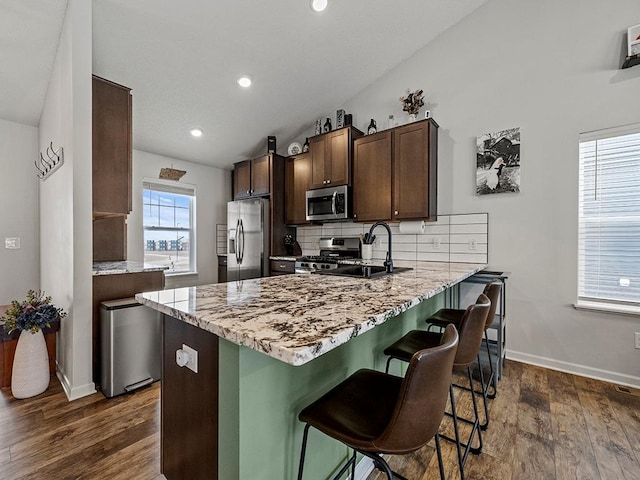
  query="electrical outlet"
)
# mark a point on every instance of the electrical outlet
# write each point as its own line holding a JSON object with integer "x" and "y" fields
{"x": 436, "y": 243}
{"x": 192, "y": 364}
{"x": 638, "y": 340}
{"x": 187, "y": 357}
{"x": 12, "y": 243}
{"x": 473, "y": 244}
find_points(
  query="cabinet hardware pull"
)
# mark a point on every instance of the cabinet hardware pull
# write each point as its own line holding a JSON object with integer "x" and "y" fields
{"x": 328, "y": 181}
{"x": 355, "y": 215}
{"x": 396, "y": 212}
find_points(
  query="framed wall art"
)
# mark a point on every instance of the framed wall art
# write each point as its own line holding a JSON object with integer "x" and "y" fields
{"x": 498, "y": 162}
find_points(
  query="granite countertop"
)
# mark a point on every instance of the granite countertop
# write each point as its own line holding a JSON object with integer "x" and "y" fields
{"x": 116, "y": 268}
{"x": 296, "y": 318}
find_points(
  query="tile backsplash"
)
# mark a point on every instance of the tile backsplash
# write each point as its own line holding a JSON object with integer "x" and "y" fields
{"x": 453, "y": 238}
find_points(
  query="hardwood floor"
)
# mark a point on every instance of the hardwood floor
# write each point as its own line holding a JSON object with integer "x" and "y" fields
{"x": 544, "y": 425}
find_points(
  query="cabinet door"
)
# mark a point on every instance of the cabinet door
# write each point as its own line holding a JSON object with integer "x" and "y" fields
{"x": 242, "y": 179}
{"x": 111, "y": 152}
{"x": 298, "y": 180}
{"x": 372, "y": 177}
{"x": 317, "y": 147}
{"x": 260, "y": 176}
{"x": 337, "y": 157}
{"x": 414, "y": 170}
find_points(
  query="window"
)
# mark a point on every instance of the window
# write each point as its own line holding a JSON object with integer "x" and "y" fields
{"x": 609, "y": 220}
{"x": 169, "y": 227}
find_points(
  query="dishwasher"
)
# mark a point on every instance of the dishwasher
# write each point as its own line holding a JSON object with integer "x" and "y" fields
{"x": 131, "y": 340}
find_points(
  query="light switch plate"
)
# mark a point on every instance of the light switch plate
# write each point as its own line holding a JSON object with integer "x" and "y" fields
{"x": 12, "y": 243}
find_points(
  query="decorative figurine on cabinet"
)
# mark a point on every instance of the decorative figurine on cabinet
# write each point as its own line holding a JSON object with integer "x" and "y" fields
{"x": 372, "y": 128}
{"x": 340, "y": 118}
{"x": 327, "y": 125}
{"x": 318, "y": 127}
{"x": 305, "y": 146}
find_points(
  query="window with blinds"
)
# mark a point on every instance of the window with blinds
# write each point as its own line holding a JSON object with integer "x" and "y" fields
{"x": 169, "y": 227}
{"x": 609, "y": 220}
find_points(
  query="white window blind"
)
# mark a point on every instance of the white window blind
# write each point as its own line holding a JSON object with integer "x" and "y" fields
{"x": 609, "y": 219}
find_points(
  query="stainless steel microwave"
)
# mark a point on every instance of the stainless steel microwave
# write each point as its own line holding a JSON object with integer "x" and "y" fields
{"x": 329, "y": 204}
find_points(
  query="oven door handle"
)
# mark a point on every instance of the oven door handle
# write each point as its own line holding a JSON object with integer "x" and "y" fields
{"x": 334, "y": 201}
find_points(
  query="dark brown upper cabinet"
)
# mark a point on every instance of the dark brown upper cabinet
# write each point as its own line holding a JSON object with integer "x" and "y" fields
{"x": 297, "y": 182}
{"x": 395, "y": 173}
{"x": 251, "y": 178}
{"x": 415, "y": 171}
{"x": 372, "y": 177}
{"x": 331, "y": 155}
{"x": 112, "y": 148}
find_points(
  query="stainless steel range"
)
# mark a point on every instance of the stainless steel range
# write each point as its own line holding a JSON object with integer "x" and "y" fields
{"x": 332, "y": 250}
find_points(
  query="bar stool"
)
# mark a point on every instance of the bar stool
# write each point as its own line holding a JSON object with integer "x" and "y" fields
{"x": 446, "y": 316}
{"x": 375, "y": 413}
{"x": 470, "y": 330}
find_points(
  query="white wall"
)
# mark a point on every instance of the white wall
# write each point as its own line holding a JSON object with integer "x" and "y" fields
{"x": 65, "y": 199}
{"x": 551, "y": 68}
{"x": 19, "y": 269}
{"x": 213, "y": 191}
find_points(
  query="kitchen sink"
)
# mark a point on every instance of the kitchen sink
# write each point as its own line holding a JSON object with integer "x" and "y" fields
{"x": 362, "y": 271}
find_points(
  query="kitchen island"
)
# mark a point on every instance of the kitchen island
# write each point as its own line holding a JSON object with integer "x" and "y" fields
{"x": 266, "y": 348}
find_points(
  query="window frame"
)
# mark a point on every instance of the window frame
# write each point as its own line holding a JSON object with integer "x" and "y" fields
{"x": 173, "y": 187}
{"x": 584, "y": 302}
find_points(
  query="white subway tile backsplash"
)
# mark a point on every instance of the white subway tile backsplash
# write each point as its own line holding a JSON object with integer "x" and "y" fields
{"x": 453, "y": 232}
{"x": 471, "y": 228}
{"x": 470, "y": 218}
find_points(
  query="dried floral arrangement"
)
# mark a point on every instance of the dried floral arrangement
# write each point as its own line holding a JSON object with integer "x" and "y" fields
{"x": 32, "y": 314}
{"x": 412, "y": 102}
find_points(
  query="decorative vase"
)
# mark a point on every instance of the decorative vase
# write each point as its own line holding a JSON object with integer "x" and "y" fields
{"x": 412, "y": 117}
{"x": 30, "y": 374}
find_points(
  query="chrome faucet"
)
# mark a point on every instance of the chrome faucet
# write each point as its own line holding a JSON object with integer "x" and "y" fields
{"x": 388, "y": 263}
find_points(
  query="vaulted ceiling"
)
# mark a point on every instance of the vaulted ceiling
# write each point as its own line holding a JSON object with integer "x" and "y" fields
{"x": 182, "y": 59}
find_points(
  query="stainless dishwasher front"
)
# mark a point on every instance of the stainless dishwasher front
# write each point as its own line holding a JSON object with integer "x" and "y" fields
{"x": 131, "y": 339}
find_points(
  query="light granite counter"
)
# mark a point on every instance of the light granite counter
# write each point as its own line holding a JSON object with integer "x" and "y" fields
{"x": 297, "y": 318}
{"x": 118, "y": 268}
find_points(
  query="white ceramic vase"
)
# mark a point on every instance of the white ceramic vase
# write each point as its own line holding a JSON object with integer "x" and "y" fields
{"x": 30, "y": 374}
{"x": 411, "y": 117}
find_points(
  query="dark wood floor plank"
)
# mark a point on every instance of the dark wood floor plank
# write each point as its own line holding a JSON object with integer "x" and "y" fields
{"x": 574, "y": 454}
{"x": 534, "y": 412}
{"x": 615, "y": 457}
{"x": 534, "y": 458}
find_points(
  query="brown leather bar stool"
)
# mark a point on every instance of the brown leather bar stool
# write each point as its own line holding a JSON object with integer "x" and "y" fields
{"x": 446, "y": 316}
{"x": 470, "y": 330}
{"x": 375, "y": 413}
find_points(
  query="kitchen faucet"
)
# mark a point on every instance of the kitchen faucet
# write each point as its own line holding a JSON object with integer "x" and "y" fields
{"x": 388, "y": 263}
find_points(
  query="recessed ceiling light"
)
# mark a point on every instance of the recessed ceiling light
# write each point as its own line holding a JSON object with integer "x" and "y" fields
{"x": 244, "y": 81}
{"x": 318, "y": 5}
{"x": 196, "y": 132}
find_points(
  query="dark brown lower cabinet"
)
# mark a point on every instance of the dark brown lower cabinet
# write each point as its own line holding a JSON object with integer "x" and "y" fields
{"x": 189, "y": 406}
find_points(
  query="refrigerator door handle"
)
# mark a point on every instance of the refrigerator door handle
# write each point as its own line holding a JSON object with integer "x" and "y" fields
{"x": 237, "y": 249}
{"x": 241, "y": 241}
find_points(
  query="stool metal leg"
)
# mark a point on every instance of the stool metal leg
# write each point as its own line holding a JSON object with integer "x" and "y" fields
{"x": 483, "y": 391}
{"x": 439, "y": 453}
{"x": 493, "y": 378}
{"x": 476, "y": 425}
{"x": 461, "y": 459}
{"x": 304, "y": 448}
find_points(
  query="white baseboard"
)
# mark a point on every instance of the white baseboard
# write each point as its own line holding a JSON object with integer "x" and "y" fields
{"x": 74, "y": 393}
{"x": 364, "y": 468}
{"x": 575, "y": 369}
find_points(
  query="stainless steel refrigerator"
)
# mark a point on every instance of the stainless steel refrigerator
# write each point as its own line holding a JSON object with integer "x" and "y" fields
{"x": 247, "y": 239}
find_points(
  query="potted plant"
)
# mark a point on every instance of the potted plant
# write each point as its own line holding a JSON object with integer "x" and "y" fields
{"x": 30, "y": 374}
{"x": 412, "y": 103}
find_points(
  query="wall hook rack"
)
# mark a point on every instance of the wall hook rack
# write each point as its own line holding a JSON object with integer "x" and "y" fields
{"x": 54, "y": 160}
